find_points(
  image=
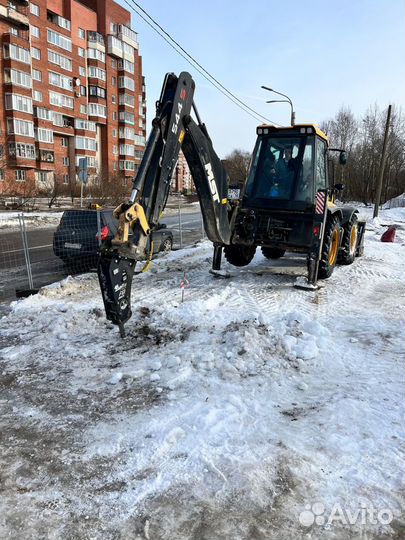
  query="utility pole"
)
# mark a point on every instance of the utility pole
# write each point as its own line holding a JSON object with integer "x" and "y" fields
{"x": 382, "y": 164}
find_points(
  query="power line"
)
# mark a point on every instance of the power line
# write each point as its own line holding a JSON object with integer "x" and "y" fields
{"x": 194, "y": 63}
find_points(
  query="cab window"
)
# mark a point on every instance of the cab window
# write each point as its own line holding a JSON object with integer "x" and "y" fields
{"x": 320, "y": 170}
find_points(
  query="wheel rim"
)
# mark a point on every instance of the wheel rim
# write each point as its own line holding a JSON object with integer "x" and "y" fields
{"x": 353, "y": 240}
{"x": 334, "y": 246}
{"x": 167, "y": 245}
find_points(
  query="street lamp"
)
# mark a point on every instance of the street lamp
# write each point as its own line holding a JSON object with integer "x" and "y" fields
{"x": 287, "y": 100}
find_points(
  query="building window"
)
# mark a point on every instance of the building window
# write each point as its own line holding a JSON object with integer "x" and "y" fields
{"x": 85, "y": 124}
{"x": 115, "y": 166}
{"x": 115, "y": 150}
{"x": 85, "y": 143}
{"x": 66, "y": 161}
{"x": 17, "y": 53}
{"x": 34, "y": 31}
{"x": 44, "y": 135}
{"x": 83, "y": 109}
{"x": 13, "y": 31}
{"x": 81, "y": 52}
{"x": 60, "y": 100}
{"x": 126, "y": 165}
{"x": 82, "y": 33}
{"x": 35, "y": 53}
{"x": 19, "y": 78}
{"x": 57, "y": 19}
{"x": 114, "y": 115}
{"x": 114, "y": 81}
{"x": 113, "y": 99}
{"x": 126, "y": 82}
{"x": 62, "y": 81}
{"x": 96, "y": 54}
{"x": 34, "y": 9}
{"x": 20, "y": 127}
{"x": 126, "y": 65}
{"x": 97, "y": 91}
{"x": 64, "y": 141}
{"x": 1, "y": 175}
{"x": 96, "y": 73}
{"x": 16, "y": 102}
{"x": 127, "y": 99}
{"x": 127, "y": 117}
{"x": 66, "y": 179}
{"x": 22, "y": 150}
{"x": 127, "y": 150}
{"x": 20, "y": 175}
{"x": 44, "y": 114}
{"x": 82, "y": 71}
{"x": 94, "y": 109}
{"x": 37, "y": 95}
{"x": 114, "y": 132}
{"x": 58, "y": 59}
{"x": 60, "y": 41}
{"x": 36, "y": 75}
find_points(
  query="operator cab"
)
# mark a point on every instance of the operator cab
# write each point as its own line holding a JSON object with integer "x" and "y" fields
{"x": 288, "y": 167}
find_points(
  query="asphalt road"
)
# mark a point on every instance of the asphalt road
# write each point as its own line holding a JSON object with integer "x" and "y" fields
{"x": 46, "y": 268}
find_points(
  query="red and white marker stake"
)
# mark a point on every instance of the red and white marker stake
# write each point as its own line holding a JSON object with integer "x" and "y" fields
{"x": 183, "y": 284}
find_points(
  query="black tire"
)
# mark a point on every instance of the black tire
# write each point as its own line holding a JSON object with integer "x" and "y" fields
{"x": 330, "y": 248}
{"x": 273, "y": 253}
{"x": 239, "y": 255}
{"x": 348, "y": 246}
{"x": 166, "y": 245}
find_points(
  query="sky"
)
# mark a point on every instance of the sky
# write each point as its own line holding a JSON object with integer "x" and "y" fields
{"x": 324, "y": 55}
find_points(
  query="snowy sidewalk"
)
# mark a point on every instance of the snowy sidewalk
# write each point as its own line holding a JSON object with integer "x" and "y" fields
{"x": 224, "y": 417}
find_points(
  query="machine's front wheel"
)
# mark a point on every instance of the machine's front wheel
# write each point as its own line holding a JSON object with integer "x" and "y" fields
{"x": 330, "y": 248}
{"x": 349, "y": 242}
{"x": 273, "y": 253}
{"x": 239, "y": 255}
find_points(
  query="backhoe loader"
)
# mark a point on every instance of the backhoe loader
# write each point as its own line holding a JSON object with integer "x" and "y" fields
{"x": 286, "y": 203}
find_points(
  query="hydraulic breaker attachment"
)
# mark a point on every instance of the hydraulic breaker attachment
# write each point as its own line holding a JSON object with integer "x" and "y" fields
{"x": 115, "y": 273}
{"x": 117, "y": 262}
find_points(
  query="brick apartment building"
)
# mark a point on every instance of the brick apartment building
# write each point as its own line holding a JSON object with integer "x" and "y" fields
{"x": 71, "y": 86}
{"x": 182, "y": 180}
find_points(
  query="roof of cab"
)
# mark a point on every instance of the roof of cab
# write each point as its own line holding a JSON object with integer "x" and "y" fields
{"x": 294, "y": 128}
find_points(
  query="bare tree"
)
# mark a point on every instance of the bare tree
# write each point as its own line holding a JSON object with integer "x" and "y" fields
{"x": 237, "y": 165}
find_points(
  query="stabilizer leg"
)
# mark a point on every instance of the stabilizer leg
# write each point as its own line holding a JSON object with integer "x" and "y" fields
{"x": 216, "y": 263}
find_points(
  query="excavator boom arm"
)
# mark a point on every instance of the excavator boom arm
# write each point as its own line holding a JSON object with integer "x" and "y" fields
{"x": 172, "y": 129}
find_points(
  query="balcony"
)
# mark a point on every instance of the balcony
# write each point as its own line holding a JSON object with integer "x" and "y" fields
{"x": 95, "y": 41}
{"x": 45, "y": 156}
{"x": 16, "y": 14}
{"x": 115, "y": 47}
{"x": 128, "y": 36}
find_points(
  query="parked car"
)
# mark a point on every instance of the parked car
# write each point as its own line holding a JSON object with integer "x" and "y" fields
{"x": 76, "y": 242}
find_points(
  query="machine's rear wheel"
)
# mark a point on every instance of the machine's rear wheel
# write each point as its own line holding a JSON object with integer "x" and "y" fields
{"x": 239, "y": 255}
{"x": 273, "y": 253}
{"x": 330, "y": 248}
{"x": 349, "y": 242}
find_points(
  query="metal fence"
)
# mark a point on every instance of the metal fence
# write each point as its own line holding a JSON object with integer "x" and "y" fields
{"x": 33, "y": 254}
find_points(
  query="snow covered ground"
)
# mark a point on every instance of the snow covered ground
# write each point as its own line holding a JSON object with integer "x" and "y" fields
{"x": 9, "y": 220}
{"x": 245, "y": 412}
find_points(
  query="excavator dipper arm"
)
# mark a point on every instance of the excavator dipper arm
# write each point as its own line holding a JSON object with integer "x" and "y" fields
{"x": 172, "y": 129}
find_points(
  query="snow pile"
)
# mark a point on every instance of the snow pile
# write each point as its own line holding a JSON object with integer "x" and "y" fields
{"x": 9, "y": 220}
{"x": 396, "y": 202}
{"x": 219, "y": 417}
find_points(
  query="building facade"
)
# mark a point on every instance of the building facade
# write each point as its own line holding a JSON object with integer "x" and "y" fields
{"x": 182, "y": 181}
{"x": 71, "y": 87}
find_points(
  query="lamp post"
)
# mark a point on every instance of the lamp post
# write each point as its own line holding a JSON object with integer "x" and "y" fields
{"x": 287, "y": 100}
